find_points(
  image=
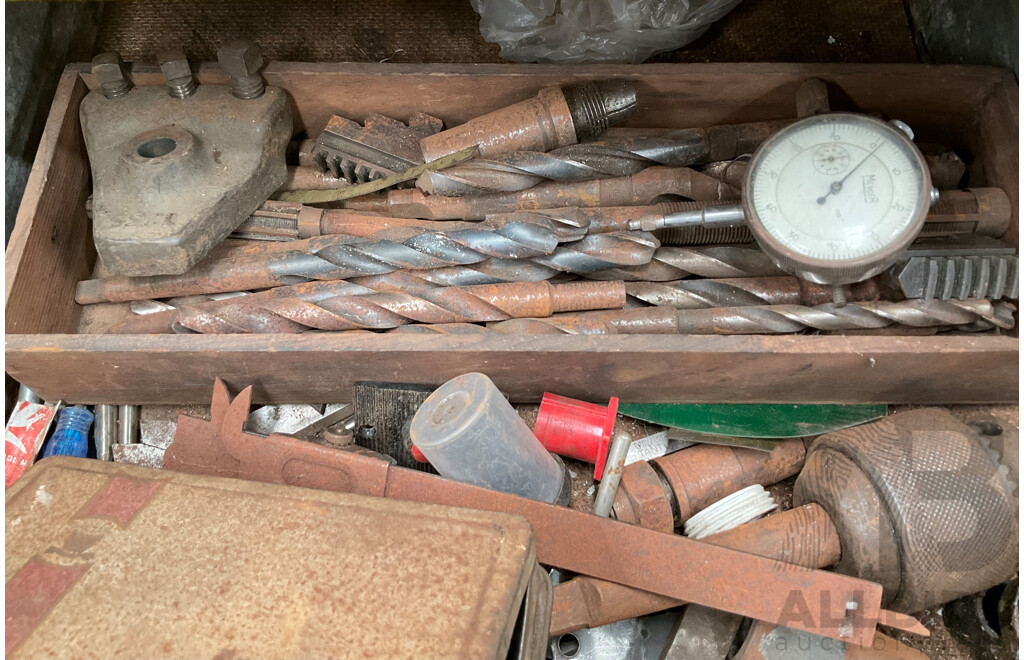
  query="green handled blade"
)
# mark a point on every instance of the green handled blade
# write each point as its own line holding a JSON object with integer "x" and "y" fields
{"x": 755, "y": 420}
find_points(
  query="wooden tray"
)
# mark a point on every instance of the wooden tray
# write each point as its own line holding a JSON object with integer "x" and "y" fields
{"x": 973, "y": 110}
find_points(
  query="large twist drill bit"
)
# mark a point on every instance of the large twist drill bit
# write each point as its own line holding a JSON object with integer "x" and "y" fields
{"x": 634, "y": 190}
{"x": 596, "y": 160}
{"x": 775, "y": 319}
{"x": 380, "y": 311}
{"x": 336, "y": 257}
{"x": 676, "y": 263}
{"x": 778, "y": 319}
{"x": 748, "y": 291}
{"x": 163, "y": 316}
{"x": 979, "y": 210}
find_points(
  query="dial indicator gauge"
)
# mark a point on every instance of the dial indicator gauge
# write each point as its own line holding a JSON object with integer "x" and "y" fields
{"x": 836, "y": 198}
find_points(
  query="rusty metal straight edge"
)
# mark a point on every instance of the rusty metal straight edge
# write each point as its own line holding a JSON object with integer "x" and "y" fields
{"x": 824, "y": 603}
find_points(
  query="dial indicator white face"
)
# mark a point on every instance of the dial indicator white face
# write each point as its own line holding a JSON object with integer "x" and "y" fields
{"x": 838, "y": 188}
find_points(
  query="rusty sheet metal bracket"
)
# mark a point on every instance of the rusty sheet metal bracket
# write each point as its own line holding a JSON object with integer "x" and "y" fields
{"x": 827, "y": 604}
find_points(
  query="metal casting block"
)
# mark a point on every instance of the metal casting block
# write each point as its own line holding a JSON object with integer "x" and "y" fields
{"x": 172, "y": 177}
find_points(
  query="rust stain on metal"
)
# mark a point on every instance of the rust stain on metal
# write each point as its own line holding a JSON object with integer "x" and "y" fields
{"x": 804, "y": 536}
{"x": 223, "y": 568}
{"x": 540, "y": 123}
{"x": 846, "y": 608}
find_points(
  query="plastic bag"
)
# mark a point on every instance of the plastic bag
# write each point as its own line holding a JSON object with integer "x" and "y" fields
{"x": 627, "y": 31}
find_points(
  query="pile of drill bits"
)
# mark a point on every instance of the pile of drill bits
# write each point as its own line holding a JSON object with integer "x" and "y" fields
{"x": 560, "y": 226}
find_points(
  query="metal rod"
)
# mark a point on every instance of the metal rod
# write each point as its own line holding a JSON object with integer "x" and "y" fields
{"x": 612, "y": 473}
{"x": 106, "y": 431}
{"x": 128, "y": 425}
{"x": 26, "y": 393}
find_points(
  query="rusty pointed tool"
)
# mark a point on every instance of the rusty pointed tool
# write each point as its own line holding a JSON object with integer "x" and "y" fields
{"x": 830, "y": 604}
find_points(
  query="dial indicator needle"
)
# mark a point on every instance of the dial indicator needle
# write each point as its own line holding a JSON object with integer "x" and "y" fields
{"x": 838, "y": 185}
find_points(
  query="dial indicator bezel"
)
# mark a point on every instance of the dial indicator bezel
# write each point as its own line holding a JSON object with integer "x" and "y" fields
{"x": 790, "y": 257}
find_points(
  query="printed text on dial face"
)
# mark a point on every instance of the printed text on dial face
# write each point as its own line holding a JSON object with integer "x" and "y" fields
{"x": 838, "y": 190}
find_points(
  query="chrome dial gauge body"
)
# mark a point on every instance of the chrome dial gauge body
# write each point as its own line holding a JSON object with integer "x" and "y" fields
{"x": 835, "y": 198}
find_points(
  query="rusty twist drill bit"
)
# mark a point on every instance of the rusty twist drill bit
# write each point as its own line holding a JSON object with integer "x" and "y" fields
{"x": 594, "y": 160}
{"x": 379, "y": 311}
{"x": 634, "y": 190}
{"x": 676, "y": 263}
{"x": 745, "y": 292}
{"x": 778, "y": 319}
{"x": 162, "y": 317}
{"x": 599, "y": 252}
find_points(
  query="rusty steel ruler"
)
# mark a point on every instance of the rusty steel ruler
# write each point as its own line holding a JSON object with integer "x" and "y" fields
{"x": 820, "y": 602}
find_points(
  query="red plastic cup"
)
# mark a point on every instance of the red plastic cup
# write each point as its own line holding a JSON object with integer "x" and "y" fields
{"x": 577, "y": 429}
{"x": 417, "y": 454}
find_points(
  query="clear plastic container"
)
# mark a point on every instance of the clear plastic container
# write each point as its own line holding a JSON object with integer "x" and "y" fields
{"x": 470, "y": 433}
{"x": 71, "y": 438}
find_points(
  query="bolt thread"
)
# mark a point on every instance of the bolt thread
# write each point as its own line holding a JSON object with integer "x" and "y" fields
{"x": 247, "y": 87}
{"x": 586, "y": 106}
{"x": 113, "y": 90}
{"x": 182, "y": 87}
{"x": 595, "y": 106}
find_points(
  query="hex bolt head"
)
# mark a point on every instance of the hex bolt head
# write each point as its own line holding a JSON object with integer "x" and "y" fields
{"x": 111, "y": 75}
{"x": 241, "y": 61}
{"x": 177, "y": 73}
